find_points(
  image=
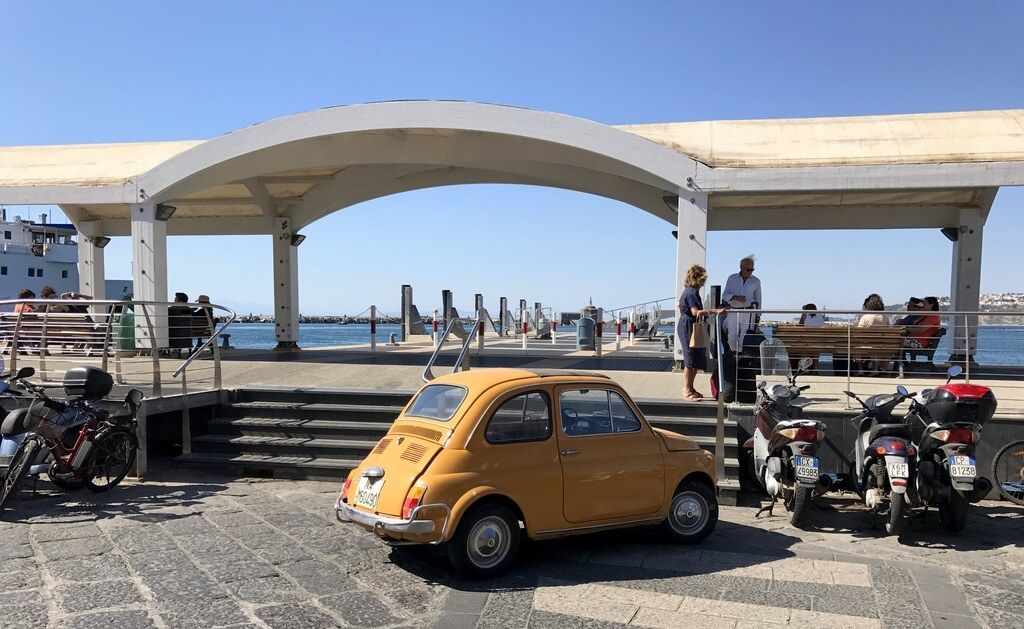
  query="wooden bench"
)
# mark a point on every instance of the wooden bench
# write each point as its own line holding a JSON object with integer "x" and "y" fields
{"x": 878, "y": 343}
{"x": 43, "y": 329}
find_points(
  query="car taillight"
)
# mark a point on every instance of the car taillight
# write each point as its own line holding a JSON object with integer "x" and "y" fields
{"x": 412, "y": 500}
{"x": 955, "y": 435}
{"x": 804, "y": 433}
{"x": 344, "y": 488}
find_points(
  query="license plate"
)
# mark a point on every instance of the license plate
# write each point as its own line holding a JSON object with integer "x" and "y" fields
{"x": 962, "y": 467}
{"x": 807, "y": 468}
{"x": 898, "y": 470}
{"x": 367, "y": 492}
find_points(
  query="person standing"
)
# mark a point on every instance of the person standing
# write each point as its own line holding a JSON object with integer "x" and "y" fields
{"x": 742, "y": 292}
{"x": 691, "y": 310}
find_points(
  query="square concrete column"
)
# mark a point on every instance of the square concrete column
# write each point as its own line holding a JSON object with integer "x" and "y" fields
{"x": 91, "y": 280}
{"x": 149, "y": 275}
{"x": 691, "y": 246}
{"x": 965, "y": 280}
{"x": 286, "y": 286}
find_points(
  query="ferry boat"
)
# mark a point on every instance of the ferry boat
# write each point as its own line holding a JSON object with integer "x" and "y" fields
{"x": 36, "y": 254}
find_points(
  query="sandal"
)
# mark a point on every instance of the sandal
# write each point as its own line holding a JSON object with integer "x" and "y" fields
{"x": 693, "y": 396}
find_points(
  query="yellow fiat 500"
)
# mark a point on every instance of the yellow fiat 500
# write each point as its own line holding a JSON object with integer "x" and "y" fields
{"x": 480, "y": 458}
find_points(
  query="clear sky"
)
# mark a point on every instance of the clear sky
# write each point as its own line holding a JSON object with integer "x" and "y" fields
{"x": 131, "y": 71}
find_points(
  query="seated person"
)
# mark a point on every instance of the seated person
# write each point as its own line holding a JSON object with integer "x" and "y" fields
{"x": 926, "y": 327}
{"x": 810, "y": 317}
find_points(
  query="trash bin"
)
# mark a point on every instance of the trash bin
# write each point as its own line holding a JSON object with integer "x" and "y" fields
{"x": 124, "y": 329}
{"x": 585, "y": 333}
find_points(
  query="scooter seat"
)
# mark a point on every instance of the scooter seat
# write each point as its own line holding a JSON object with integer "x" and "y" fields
{"x": 889, "y": 430}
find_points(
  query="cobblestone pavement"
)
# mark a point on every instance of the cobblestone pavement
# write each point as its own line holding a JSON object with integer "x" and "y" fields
{"x": 204, "y": 551}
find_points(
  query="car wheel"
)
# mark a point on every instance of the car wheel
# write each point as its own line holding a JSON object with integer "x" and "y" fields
{"x": 486, "y": 541}
{"x": 693, "y": 513}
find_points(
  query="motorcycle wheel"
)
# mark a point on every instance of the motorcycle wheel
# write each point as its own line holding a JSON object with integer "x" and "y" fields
{"x": 67, "y": 485}
{"x": 897, "y": 514}
{"x": 17, "y": 471}
{"x": 953, "y": 513}
{"x": 799, "y": 512}
{"x": 112, "y": 458}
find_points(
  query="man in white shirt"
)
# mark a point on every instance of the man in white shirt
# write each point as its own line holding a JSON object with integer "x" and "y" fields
{"x": 742, "y": 291}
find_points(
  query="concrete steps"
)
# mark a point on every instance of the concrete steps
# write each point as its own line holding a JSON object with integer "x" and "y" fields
{"x": 320, "y": 433}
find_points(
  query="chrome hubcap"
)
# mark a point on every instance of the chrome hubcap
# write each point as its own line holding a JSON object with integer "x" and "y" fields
{"x": 488, "y": 542}
{"x": 689, "y": 513}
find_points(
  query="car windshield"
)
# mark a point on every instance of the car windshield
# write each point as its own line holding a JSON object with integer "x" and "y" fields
{"x": 437, "y": 401}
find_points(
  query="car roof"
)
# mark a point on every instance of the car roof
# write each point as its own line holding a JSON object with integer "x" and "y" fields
{"x": 480, "y": 379}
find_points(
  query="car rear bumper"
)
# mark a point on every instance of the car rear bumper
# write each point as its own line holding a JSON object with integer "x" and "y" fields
{"x": 383, "y": 525}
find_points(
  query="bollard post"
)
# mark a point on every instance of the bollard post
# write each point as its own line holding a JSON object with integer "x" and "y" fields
{"x": 632, "y": 326}
{"x": 480, "y": 331}
{"x": 554, "y": 326}
{"x": 373, "y": 328}
{"x": 618, "y": 330}
{"x": 597, "y": 332}
{"x": 502, "y": 309}
{"x": 436, "y": 336}
{"x": 523, "y": 325}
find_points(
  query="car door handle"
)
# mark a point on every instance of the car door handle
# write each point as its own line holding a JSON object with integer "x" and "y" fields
{"x": 569, "y": 452}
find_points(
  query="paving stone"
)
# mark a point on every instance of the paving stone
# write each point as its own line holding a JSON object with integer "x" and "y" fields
{"x": 127, "y": 619}
{"x": 266, "y": 590}
{"x": 801, "y": 618}
{"x": 325, "y": 584}
{"x": 232, "y": 519}
{"x": 15, "y": 551}
{"x": 362, "y": 609}
{"x": 944, "y": 597}
{"x": 76, "y": 547}
{"x": 18, "y": 598}
{"x": 183, "y": 586}
{"x": 101, "y": 594}
{"x": 295, "y": 617}
{"x": 146, "y": 539}
{"x": 52, "y": 533}
{"x": 21, "y": 580}
{"x": 161, "y": 562}
{"x": 943, "y": 620}
{"x": 738, "y": 611}
{"x": 28, "y": 615}
{"x": 864, "y": 605}
{"x": 227, "y": 571}
{"x": 20, "y": 564}
{"x": 417, "y": 599}
{"x": 664, "y": 619}
{"x": 774, "y": 599}
{"x": 507, "y": 610}
{"x": 207, "y": 614}
{"x": 547, "y": 620}
{"x": 88, "y": 568}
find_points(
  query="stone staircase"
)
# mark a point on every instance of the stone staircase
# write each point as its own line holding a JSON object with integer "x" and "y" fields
{"x": 322, "y": 433}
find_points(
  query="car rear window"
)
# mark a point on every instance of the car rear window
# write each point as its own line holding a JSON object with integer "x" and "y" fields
{"x": 437, "y": 401}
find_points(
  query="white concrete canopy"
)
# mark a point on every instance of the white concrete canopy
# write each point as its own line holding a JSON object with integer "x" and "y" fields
{"x": 921, "y": 170}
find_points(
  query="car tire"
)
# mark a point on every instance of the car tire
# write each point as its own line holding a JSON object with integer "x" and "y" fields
{"x": 693, "y": 513}
{"x": 486, "y": 542}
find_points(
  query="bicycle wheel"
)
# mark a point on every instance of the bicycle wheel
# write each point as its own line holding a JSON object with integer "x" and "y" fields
{"x": 111, "y": 459}
{"x": 17, "y": 471}
{"x": 1008, "y": 471}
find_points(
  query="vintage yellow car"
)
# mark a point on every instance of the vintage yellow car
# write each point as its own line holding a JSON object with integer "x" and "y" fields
{"x": 477, "y": 459}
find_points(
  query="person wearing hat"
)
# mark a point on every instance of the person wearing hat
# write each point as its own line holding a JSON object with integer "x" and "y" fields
{"x": 202, "y": 320}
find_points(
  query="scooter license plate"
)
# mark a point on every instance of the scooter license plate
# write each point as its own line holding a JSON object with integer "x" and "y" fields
{"x": 962, "y": 467}
{"x": 898, "y": 470}
{"x": 806, "y": 469}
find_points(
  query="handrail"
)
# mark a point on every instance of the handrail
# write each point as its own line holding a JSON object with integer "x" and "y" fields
{"x": 214, "y": 333}
{"x": 428, "y": 374}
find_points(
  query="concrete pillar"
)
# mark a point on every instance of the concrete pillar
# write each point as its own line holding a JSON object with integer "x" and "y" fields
{"x": 965, "y": 278}
{"x": 691, "y": 246}
{"x": 91, "y": 279}
{"x": 286, "y": 286}
{"x": 149, "y": 275}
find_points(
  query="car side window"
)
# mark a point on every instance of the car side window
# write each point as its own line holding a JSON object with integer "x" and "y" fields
{"x": 623, "y": 417}
{"x": 525, "y": 417}
{"x": 595, "y": 412}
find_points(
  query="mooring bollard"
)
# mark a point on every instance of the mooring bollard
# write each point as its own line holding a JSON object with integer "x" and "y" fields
{"x": 618, "y": 330}
{"x": 524, "y": 326}
{"x": 373, "y": 328}
{"x": 436, "y": 337}
{"x": 393, "y": 340}
{"x": 597, "y": 339}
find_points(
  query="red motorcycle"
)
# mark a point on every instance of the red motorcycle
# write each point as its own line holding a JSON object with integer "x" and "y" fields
{"x": 947, "y": 423}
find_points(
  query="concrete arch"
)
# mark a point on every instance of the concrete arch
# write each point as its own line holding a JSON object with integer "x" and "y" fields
{"x": 427, "y": 144}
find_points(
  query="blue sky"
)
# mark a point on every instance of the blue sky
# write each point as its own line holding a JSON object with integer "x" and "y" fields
{"x": 131, "y": 71}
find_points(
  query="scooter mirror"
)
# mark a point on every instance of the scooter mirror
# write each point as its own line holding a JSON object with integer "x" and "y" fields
{"x": 954, "y": 371}
{"x": 849, "y": 394}
{"x": 3, "y": 386}
{"x": 804, "y": 364}
{"x": 902, "y": 390}
{"x": 24, "y": 372}
{"x": 762, "y": 384}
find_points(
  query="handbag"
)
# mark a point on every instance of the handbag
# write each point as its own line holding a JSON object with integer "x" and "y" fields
{"x": 699, "y": 334}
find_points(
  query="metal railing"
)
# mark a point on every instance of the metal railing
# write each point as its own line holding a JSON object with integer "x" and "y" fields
{"x": 869, "y": 352}
{"x": 462, "y": 362}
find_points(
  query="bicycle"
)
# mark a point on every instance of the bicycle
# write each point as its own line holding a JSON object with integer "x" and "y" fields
{"x": 1008, "y": 471}
{"x": 89, "y": 445}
